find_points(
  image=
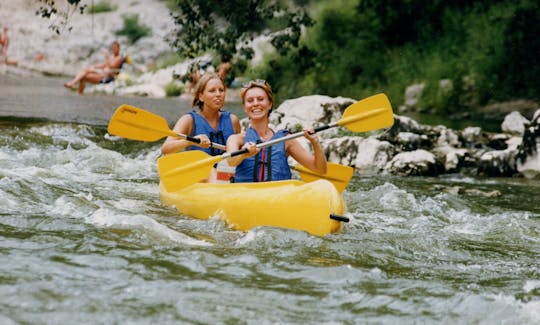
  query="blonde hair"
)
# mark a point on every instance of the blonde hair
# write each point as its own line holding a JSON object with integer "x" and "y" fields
{"x": 259, "y": 83}
{"x": 200, "y": 87}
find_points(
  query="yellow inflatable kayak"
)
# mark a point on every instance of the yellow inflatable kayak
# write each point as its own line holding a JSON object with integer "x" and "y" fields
{"x": 315, "y": 207}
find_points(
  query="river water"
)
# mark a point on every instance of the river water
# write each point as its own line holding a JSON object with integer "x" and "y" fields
{"x": 84, "y": 239}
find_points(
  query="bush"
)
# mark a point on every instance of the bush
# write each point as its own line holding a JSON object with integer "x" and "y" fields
{"x": 132, "y": 29}
{"x": 102, "y": 6}
{"x": 174, "y": 89}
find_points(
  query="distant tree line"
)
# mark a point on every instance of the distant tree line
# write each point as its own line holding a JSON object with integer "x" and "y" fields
{"x": 485, "y": 50}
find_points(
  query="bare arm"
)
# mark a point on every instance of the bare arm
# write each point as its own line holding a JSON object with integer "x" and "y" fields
{"x": 235, "y": 143}
{"x": 184, "y": 126}
{"x": 236, "y": 123}
{"x": 316, "y": 161}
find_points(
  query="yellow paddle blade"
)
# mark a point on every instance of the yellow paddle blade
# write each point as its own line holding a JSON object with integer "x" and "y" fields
{"x": 185, "y": 168}
{"x": 372, "y": 113}
{"x": 339, "y": 175}
{"x": 137, "y": 124}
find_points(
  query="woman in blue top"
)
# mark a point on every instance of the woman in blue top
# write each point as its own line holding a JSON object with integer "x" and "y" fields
{"x": 269, "y": 163}
{"x": 210, "y": 123}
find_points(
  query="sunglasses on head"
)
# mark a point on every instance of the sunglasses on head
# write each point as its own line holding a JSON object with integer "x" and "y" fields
{"x": 256, "y": 82}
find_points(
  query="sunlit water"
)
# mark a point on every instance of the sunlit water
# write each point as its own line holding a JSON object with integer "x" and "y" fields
{"x": 85, "y": 240}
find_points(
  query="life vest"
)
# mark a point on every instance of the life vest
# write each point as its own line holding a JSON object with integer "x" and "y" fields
{"x": 201, "y": 126}
{"x": 270, "y": 164}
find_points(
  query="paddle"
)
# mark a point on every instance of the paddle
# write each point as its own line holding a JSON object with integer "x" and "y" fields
{"x": 137, "y": 124}
{"x": 337, "y": 174}
{"x": 186, "y": 168}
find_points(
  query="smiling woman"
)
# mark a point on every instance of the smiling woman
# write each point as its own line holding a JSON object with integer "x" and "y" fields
{"x": 268, "y": 164}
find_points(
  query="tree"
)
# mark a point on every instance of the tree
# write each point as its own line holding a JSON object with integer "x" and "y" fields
{"x": 228, "y": 26}
{"x": 49, "y": 9}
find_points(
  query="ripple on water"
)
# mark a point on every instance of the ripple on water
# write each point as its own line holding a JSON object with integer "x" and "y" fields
{"x": 86, "y": 240}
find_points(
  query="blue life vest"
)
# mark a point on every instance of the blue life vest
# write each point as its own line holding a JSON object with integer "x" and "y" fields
{"x": 201, "y": 126}
{"x": 270, "y": 164}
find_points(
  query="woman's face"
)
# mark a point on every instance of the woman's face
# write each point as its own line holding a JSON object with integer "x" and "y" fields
{"x": 257, "y": 105}
{"x": 115, "y": 48}
{"x": 213, "y": 95}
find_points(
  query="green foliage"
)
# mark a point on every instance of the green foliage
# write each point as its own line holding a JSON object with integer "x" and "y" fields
{"x": 102, "y": 6}
{"x": 478, "y": 51}
{"x": 168, "y": 60}
{"x": 227, "y": 27}
{"x": 48, "y": 9}
{"x": 174, "y": 89}
{"x": 132, "y": 29}
{"x": 482, "y": 50}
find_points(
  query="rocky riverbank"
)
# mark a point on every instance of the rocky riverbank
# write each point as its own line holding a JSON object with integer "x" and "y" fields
{"x": 409, "y": 148}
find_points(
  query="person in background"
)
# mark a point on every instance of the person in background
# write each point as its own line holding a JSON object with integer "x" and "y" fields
{"x": 269, "y": 163}
{"x": 193, "y": 76}
{"x": 224, "y": 67}
{"x": 104, "y": 72}
{"x": 4, "y": 44}
{"x": 210, "y": 123}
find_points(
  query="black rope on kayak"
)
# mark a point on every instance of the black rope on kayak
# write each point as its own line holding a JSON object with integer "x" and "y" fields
{"x": 339, "y": 218}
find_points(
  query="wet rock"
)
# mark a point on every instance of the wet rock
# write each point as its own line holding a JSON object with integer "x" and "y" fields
{"x": 514, "y": 123}
{"x": 448, "y": 137}
{"x": 498, "y": 141}
{"x": 417, "y": 163}
{"x": 473, "y": 135}
{"x": 528, "y": 156}
{"x": 404, "y": 124}
{"x": 408, "y": 141}
{"x": 310, "y": 111}
{"x": 409, "y": 148}
{"x": 477, "y": 192}
{"x": 412, "y": 95}
{"x": 342, "y": 150}
{"x": 373, "y": 155}
{"x": 498, "y": 163}
{"x": 457, "y": 159}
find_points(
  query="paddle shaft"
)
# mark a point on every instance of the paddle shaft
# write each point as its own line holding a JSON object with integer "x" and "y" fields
{"x": 197, "y": 140}
{"x": 342, "y": 122}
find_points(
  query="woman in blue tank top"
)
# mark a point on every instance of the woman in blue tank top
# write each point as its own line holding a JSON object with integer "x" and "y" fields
{"x": 269, "y": 163}
{"x": 210, "y": 123}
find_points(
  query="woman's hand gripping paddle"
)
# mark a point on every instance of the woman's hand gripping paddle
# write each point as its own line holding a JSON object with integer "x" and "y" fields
{"x": 185, "y": 168}
{"x": 137, "y": 124}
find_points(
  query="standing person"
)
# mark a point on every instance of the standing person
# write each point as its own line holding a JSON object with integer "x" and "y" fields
{"x": 104, "y": 72}
{"x": 4, "y": 43}
{"x": 210, "y": 123}
{"x": 224, "y": 67}
{"x": 269, "y": 163}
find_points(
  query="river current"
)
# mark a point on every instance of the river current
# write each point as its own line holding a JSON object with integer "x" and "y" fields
{"x": 84, "y": 239}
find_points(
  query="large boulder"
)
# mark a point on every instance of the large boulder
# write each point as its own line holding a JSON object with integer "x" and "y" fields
{"x": 342, "y": 150}
{"x": 514, "y": 123}
{"x": 416, "y": 163}
{"x": 310, "y": 111}
{"x": 373, "y": 155}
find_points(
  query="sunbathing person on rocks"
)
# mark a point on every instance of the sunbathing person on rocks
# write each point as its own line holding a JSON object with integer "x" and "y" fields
{"x": 100, "y": 73}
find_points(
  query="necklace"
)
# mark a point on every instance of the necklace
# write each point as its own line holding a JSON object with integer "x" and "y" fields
{"x": 267, "y": 135}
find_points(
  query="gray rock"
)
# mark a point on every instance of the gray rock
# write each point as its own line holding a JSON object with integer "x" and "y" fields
{"x": 514, "y": 123}
{"x": 417, "y": 163}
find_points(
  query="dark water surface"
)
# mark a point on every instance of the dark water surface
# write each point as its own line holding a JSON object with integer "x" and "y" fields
{"x": 85, "y": 240}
